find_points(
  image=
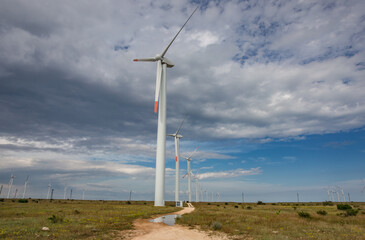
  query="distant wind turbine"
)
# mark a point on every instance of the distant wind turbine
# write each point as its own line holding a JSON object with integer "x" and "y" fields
{"x": 1, "y": 189}
{"x": 196, "y": 178}
{"x": 10, "y": 184}
{"x": 16, "y": 192}
{"x": 189, "y": 172}
{"x": 25, "y": 186}
{"x": 64, "y": 192}
{"x": 49, "y": 190}
{"x": 363, "y": 187}
{"x": 177, "y": 136}
{"x": 160, "y": 101}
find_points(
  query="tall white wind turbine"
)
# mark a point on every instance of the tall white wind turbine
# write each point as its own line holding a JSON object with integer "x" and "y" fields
{"x": 189, "y": 173}
{"x": 177, "y": 136}
{"x": 25, "y": 186}
{"x": 10, "y": 184}
{"x": 160, "y": 101}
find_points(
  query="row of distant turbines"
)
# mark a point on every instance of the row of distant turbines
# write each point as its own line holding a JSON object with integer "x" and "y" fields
{"x": 338, "y": 191}
{"x": 50, "y": 190}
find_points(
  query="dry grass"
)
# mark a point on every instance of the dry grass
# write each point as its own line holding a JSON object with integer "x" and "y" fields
{"x": 72, "y": 219}
{"x": 278, "y": 221}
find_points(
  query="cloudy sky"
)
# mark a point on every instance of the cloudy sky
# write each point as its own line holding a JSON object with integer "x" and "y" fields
{"x": 272, "y": 92}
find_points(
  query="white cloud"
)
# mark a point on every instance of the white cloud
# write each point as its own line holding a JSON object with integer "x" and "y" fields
{"x": 231, "y": 174}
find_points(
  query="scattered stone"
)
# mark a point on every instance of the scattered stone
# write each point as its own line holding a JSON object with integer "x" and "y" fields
{"x": 275, "y": 232}
{"x": 45, "y": 229}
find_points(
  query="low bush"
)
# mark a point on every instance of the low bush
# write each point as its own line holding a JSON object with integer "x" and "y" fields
{"x": 128, "y": 202}
{"x": 343, "y": 206}
{"x": 23, "y": 201}
{"x": 260, "y": 203}
{"x": 249, "y": 207}
{"x": 55, "y": 219}
{"x": 236, "y": 206}
{"x": 216, "y": 226}
{"x": 322, "y": 212}
{"x": 304, "y": 214}
{"x": 327, "y": 203}
{"x": 1, "y": 199}
{"x": 351, "y": 212}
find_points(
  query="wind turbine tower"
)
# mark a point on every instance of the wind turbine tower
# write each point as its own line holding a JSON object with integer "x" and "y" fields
{"x": 10, "y": 184}
{"x": 1, "y": 189}
{"x": 196, "y": 188}
{"x": 64, "y": 192}
{"x": 177, "y": 136}
{"x": 189, "y": 173}
{"x": 25, "y": 186}
{"x": 160, "y": 102}
{"x": 49, "y": 190}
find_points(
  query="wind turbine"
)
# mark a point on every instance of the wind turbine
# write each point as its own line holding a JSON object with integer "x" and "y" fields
{"x": 363, "y": 187}
{"x": 1, "y": 189}
{"x": 196, "y": 178}
{"x": 160, "y": 101}
{"x": 177, "y": 136}
{"x": 25, "y": 186}
{"x": 49, "y": 190}
{"x": 10, "y": 184}
{"x": 64, "y": 192}
{"x": 189, "y": 172}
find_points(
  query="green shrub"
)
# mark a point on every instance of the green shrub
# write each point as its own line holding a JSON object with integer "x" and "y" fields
{"x": 55, "y": 219}
{"x": 304, "y": 214}
{"x": 208, "y": 203}
{"x": 343, "y": 206}
{"x": 77, "y": 211}
{"x": 23, "y": 201}
{"x": 327, "y": 203}
{"x": 322, "y": 212}
{"x": 225, "y": 203}
{"x": 1, "y": 199}
{"x": 351, "y": 212}
{"x": 128, "y": 202}
{"x": 236, "y": 206}
{"x": 249, "y": 207}
{"x": 260, "y": 203}
{"x": 216, "y": 226}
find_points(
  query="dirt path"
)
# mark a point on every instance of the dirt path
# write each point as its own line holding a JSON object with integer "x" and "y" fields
{"x": 160, "y": 231}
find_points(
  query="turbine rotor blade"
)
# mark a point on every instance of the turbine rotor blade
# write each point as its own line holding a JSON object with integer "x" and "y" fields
{"x": 193, "y": 152}
{"x": 144, "y": 60}
{"x": 180, "y": 126}
{"x": 164, "y": 52}
{"x": 158, "y": 83}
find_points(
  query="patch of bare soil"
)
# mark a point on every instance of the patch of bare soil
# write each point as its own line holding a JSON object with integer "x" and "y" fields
{"x": 160, "y": 231}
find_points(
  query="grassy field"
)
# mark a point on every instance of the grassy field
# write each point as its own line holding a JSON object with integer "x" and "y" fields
{"x": 72, "y": 219}
{"x": 279, "y": 220}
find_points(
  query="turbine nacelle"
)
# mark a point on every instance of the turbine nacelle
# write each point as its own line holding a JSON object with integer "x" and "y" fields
{"x": 175, "y": 135}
